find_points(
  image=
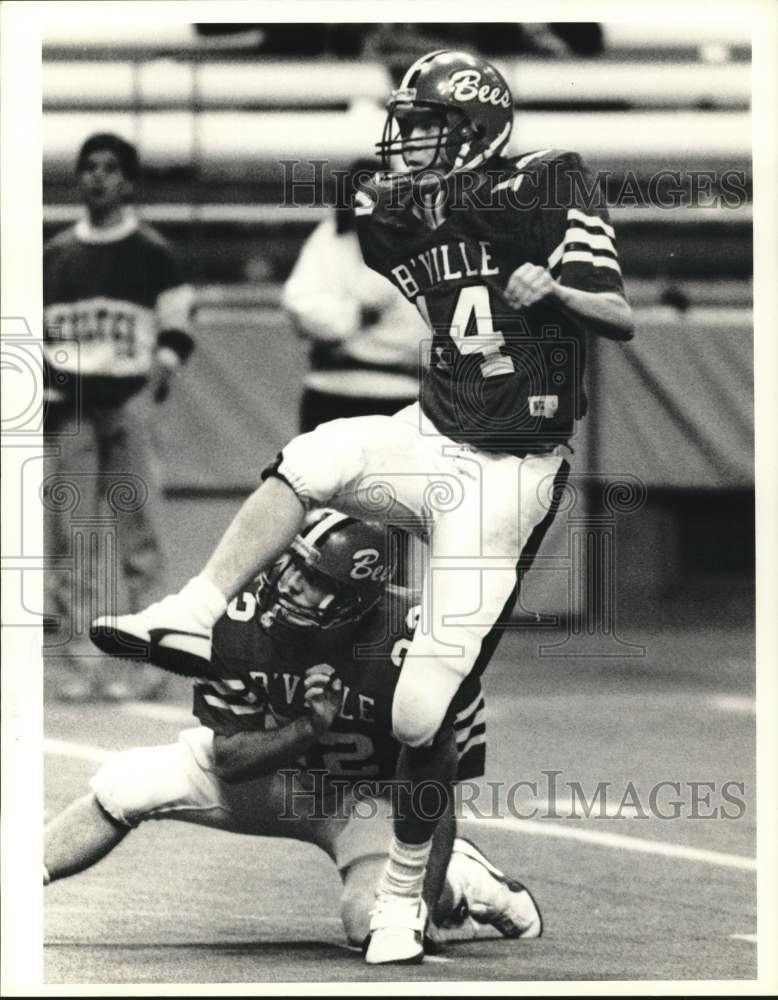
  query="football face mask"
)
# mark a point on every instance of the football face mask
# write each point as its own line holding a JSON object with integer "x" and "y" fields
{"x": 293, "y": 596}
{"x": 427, "y": 138}
{"x": 334, "y": 572}
{"x": 467, "y": 99}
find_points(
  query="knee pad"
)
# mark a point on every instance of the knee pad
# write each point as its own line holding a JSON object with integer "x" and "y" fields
{"x": 416, "y": 720}
{"x": 120, "y": 788}
{"x": 144, "y": 782}
{"x": 319, "y": 464}
{"x": 422, "y": 700}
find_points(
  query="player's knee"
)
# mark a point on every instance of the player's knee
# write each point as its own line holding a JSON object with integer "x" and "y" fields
{"x": 355, "y": 906}
{"x": 416, "y": 721}
{"x": 318, "y": 465}
{"x": 422, "y": 698}
{"x": 120, "y": 789}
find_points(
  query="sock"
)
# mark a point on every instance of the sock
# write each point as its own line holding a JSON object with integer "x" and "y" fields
{"x": 405, "y": 869}
{"x": 46, "y": 876}
{"x": 204, "y": 599}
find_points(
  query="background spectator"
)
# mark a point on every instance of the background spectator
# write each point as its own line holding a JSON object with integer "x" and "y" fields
{"x": 365, "y": 337}
{"x": 117, "y": 327}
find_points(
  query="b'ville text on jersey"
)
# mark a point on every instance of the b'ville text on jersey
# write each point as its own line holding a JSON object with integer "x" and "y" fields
{"x": 361, "y": 704}
{"x": 444, "y": 262}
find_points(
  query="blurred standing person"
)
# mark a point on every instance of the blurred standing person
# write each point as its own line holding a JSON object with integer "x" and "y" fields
{"x": 117, "y": 327}
{"x": 364, "y": 336}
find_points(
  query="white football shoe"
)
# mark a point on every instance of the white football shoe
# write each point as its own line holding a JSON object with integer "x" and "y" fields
{"x": 397, "y": 926}
{"x": 166, "y": 634}
{"x": 491, "y": 896}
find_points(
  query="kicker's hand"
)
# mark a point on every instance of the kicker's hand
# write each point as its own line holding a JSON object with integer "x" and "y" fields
{"x": 322, "y": 695}
{"x": 529, "y": 284}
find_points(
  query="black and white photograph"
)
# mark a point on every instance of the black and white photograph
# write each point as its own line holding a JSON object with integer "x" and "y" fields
{"x": 388, "y": 498}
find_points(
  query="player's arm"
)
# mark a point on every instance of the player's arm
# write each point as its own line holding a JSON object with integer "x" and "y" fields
{"x": 607, "y": 314}
{"x": 174, "y": 309}
{"x": 250, "y": 754}
{"x": 582, "y": 274}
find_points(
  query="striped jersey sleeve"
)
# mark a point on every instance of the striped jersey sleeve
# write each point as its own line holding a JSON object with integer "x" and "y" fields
{"x": 229, "y": 705}
{"x": 579, "y": 240}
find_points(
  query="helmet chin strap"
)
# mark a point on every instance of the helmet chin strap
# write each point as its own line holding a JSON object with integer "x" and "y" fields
{"x": 461, "y": 161}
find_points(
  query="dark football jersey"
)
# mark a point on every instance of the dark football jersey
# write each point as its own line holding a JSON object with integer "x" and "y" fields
{"x": 499, "y": 378}
{"x": 108, "y": 304}
{"x": 257, "y": 684}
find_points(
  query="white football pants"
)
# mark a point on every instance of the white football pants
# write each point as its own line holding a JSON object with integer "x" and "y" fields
{"x": 179, "y": 782}
{"x": 477, "y": 510}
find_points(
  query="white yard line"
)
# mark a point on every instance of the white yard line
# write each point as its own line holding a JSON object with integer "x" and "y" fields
{"x": 739, "y": 704}
{"x": 358, "y": 951}
{"x": 79, "y": 751}
{"x": 617, "y": 841}
{"x": 533, "y": 828}
{"x": 565, "y": 805}
{"x": 162, "y": 713}
{"x": 751, "y": 938}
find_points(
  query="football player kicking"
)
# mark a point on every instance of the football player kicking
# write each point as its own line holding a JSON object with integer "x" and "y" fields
{"x": 513, "y": 263}
{"x": 295, "y": 738}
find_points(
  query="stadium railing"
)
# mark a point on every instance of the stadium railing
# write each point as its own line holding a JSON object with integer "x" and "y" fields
{"x": 225, "y": 143}
{"x": 713, "y": 39}
{"x": 217, "y": 83}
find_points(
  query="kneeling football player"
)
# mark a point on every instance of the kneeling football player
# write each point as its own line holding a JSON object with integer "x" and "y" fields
{"x": 296, "y": 738}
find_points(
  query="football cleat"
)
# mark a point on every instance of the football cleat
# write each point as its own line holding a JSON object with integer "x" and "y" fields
{"x": 491, "y": 896}
{"x": 165, "y": 634}
{"x": 397, "y": 926}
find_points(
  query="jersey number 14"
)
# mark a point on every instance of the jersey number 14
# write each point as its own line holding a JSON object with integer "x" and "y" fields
{"x": 472, "y": 330}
